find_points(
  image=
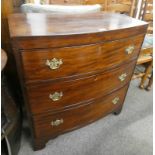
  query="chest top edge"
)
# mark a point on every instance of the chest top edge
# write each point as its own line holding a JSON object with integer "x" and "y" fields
{"x": 57, "y": 25}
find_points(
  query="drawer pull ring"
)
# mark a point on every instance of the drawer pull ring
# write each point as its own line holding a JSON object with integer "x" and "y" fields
{"x": 122, "y": 77}
{"x": 57, "y": 122}
{"x": 130, "y": 49}
{"x": 115, "y": 100}
{"x": 54, "y": 63}
{"x": 56, "y": 96}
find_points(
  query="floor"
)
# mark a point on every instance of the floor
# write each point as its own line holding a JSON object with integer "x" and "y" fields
{"x": 129, "y": 133}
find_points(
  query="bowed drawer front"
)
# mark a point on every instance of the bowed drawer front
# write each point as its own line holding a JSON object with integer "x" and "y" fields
{"x": 73, "y": 69}
{"x": 52, "y": 96}
{"x": 56, "y": 63}
{"x": 60, "y": 122}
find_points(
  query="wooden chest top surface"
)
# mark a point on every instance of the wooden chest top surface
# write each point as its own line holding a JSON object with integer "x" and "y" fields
{"x": 36, "y": 24}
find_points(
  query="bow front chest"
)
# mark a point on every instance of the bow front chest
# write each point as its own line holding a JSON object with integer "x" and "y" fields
{"x": 73, "y": 69}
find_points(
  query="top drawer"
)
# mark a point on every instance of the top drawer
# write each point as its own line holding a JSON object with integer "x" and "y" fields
{"x": 46, "y": 64}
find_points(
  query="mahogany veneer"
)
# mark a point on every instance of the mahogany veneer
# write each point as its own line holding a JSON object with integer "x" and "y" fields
{"x": 73, "y": 65}
{"x": 83, "y": 89}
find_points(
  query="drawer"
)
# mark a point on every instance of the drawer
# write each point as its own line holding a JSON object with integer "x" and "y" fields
{"x": 60, "y": 95}
{"x": 54, "y": 124}
{"x": 50, "y": 64}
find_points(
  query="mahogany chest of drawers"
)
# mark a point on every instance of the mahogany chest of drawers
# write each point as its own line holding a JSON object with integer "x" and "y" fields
{"x": 73, "y": 69}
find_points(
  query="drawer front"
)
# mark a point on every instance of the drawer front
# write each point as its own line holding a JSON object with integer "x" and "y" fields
{"x": 60, "y": 95}
{"x": 49, "y": 64}
{"x": 54, "y": 124}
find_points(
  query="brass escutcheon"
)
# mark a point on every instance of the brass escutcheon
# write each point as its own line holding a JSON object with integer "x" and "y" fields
{"x": 115, "y": 100}
{"x": 54, "y": 63}
{"x": 122, "y": 77}
{"x": 130, "y": 49}
{"x": 57, "y": 122}
{"x": 56, "y": 96}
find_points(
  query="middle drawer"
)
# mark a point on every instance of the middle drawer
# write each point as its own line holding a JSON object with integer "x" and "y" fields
{"x": 60, "y": 95}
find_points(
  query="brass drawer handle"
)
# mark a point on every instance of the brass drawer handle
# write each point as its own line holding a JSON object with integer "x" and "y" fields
{"x": 122, "y": 77}
{"x": 57, "y": 122}
{"x": 54, "y": 63}
{"x": 56, "y": 96}
{"x": 130, "y": 49}
{"x": 115, "y": 100}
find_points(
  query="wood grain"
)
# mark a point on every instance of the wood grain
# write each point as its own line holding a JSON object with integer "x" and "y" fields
{"x": 26, "y": 25}
{"x": 78, "y": 60}
{"x": 77, "y": 91}
{"x": 77, "y": 117}
{"x": 92, "y": 47}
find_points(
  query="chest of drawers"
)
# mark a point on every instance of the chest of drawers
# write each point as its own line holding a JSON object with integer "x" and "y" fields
{"x": 73, "y": 69}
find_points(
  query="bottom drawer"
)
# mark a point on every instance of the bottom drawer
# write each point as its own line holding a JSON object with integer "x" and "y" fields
{"x": 49, "y": 125}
